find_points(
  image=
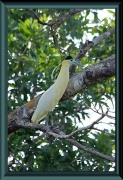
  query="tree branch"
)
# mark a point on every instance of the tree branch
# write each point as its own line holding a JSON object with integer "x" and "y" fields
{"x": 53, "y": 132}
{"x": 38, "y": 18}
{"x": 79, "y": 129}
{"x": 88, "y": 45}
{"x": 54, "y": 25}
{"x": 92, "y": 75}
{"x": 58, "y": 22}
{"x": 101, "y": 113}
{"x": 103, "y": 131}
{"x": 75, "y": 143}
{"x": 59, "y": 134}
{"x": 103, "y": 36}
{"x": 66, "y": 16}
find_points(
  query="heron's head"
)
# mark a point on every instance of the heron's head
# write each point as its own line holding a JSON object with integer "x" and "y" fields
{"x": 72, "y": 61}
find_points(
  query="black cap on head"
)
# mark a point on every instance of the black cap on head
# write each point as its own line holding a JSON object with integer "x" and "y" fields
{"x": 68, "y": 57}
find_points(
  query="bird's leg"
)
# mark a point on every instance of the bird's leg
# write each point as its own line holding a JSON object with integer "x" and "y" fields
{"x": 46, "y": 122}
{"x": 47, "y": 119}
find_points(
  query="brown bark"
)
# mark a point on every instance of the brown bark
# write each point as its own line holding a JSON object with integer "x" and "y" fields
{"x": 86, "y": 78}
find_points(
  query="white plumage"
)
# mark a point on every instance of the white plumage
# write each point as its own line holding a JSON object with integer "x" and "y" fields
{"x": 51, "y": 96}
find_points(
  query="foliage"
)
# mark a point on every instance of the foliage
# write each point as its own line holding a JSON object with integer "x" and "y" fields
{"x": 32, "y": 55}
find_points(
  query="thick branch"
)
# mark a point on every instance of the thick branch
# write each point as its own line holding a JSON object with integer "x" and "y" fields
{"x": 92, "y": 75}
{"x": 89, "y": 44}
{"x": 103, "y": 36}
{"x": 59, "y": 134}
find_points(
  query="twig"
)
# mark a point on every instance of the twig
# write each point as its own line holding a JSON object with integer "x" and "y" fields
{"x": 84, "y": 128}
{"x": 77, "y": 158}
{"x": 75, "y": 143}
{"x": 58, "y": 21}
{"x": 20, "y": 164}
{"x": 109, "y": 116}
{"x": 38, "y": 18}
{"x": 66, "y": 16}
{"x": 101, "y": 107}
{"x": 54, "y": 25}
{"x": 103, "y": 131}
